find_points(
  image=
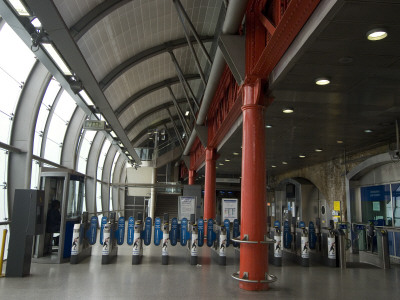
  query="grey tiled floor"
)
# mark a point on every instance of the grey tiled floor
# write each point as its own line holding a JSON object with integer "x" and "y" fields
{"x": 179, "y": 280}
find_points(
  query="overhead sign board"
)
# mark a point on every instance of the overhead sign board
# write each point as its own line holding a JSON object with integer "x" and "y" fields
{"x": 94, "y": 125}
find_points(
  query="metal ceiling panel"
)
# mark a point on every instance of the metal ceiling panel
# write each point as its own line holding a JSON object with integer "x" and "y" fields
{"x": 73, "y": 10}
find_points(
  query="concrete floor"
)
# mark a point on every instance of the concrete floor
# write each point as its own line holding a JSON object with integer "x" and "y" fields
{"x": 179, "y": 280}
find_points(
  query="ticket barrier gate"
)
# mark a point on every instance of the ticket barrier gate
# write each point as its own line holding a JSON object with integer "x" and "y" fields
{"x": 84, "y": 236}
{"x": 276, "y": 247}
{"x": 136, "y": 236}
{"x": 108, "y": 238}
{"x": 218, "y": 238}
{"x": 302, "y": 245}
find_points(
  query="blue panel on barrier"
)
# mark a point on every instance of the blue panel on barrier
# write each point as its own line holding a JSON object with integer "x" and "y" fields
{"x": 391, "y": 242}
{"x": 312, "y": 237}
{"x": 210, "y": 233}
{"x": 227, "y": 225}
{"x": 92, "y": 232}
{"x": 277, "y": 224}
{"x": 131, "y": 230}
{"x": 200, "y": 229}
{"x": 236, "y": 232}
{"x": 103, "y": 223}
{"x": 302, "y": 225}
{"x": 173, "y": 234}
{"x": 184, "y": 231}
{"x": 147, "y": 231}
{"x": 157, "y": 232}
{"x": 121, "y": 231}
{"x": 287, "y": 237}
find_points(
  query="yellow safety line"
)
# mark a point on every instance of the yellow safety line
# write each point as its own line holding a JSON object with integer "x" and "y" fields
{"x": 3, "y": 245}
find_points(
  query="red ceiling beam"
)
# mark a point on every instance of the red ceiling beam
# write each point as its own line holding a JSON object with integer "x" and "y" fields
{"x": 290, "y": 24}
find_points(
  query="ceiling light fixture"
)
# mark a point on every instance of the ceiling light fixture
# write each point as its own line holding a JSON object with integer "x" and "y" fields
{"x": 273, "y": 166}
{"x": 377, "y": 34}
{"x": 236, "y": 153}
{"x": 57, "y": 58}
{"x": 227, "y": 159}
{"x": 221, "y": 164}
{"x": 113, "y": 134}
{"x": 86, "y": 98}
{"x": 367, "y": 130}
{"x": 268, "y": 126}
{"x": 19, "y": 7}
{"x": 284, "y": 163}
{"x": 36, "y": 23}
{"x": 302, "y": 156}
{"x": 322, "y": 81}
{"x": 187, "y": 113}
{"x": 287, "y": 110}
{"x": 318, "y": 150}
{"x": 339, "y": 142}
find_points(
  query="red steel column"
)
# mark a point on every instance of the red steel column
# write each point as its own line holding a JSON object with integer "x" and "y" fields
{"x": 253, "y": 257}
{"x": 192, "y": 174}
{"x": 209, "y": 186}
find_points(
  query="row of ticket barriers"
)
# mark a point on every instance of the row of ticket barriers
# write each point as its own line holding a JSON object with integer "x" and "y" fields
{"x": 303, "y": 244}
{"x": 187, "y": 233}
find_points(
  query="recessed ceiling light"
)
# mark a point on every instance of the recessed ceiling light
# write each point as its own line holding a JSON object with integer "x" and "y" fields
{"x": 221, "y": 164}
{"x": 339, "y": 142}
{"x": 376, "y": 34}
{"x": 36, "y": 23}
{"x": 284, "y": 163}
{"x": 273, "y": 166}
{"x": 302, "y": 156}
{"x": 268, "y": 126}
{"x": 287, "y": 110}
{"x": 367, "y": 130}
{"x": 318, "y": 150}
{"x": 187, "y": 113}
{"x": 58, "y": 60}
{"x": 236, "y": 153}
{"x": 322, "y": 81}
{"x": 227, "y": 159}
{"x": 19, "y": 7}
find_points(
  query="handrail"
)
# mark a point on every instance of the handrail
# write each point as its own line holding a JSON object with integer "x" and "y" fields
{"x": 245, "y": 240}
{"x": 268, "y": 278}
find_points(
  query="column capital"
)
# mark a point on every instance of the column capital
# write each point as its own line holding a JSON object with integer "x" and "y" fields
{"x": 211, "y": 154}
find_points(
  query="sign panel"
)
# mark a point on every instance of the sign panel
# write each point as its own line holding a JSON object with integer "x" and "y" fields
{"x": 229, "y": 209}
{"x": 103, "y": 223}
{"x": 131, "y": 228}
{"x": 186, "y": 206}
{"x": 227, "y": 224}
{"x": 147, "y": 231}
{"x": 173, "y": 234}
{"x": 312, "y": 237}
{"x": 200, "y": 230}
{"x": 210, "y": 232}
{"x": 92, "y": 232}
{"x": 94, "y": 125}
{"x": 158, "y": 234}
{"x": 287, "y": 237}
{"x": 121, "y": 231}
{"x": 184, "y": 232}
{"x": 336, "y": 205}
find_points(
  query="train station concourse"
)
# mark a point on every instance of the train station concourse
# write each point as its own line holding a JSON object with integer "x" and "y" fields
{"x": 199, "y": 149}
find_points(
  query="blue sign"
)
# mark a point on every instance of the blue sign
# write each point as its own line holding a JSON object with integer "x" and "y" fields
{"x": 302, "y": 225}
{"x": 103, "y": 223}
{"x": 287, "y": 237}
{"x": 227, "y": 225}
{"x": 312, "y": 237}
{"x": 158, "y": 235}
{"x": 236, "y": 232}
{"x": 147, "y": 231}
{"x": 131, "y": 231}
{"x": 121, "y": 231}
{"x": 375, "y": 193}
{"x": 184, "y": 231}
{"x": 92, "y": 232}
{"x": 173, "y": 234}
{"x": 200, "y": 230}
{"x": 277, "y": 224}
{"x": 210, "y": 232}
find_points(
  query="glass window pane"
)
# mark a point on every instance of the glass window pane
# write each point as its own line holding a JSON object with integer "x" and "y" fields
{"x": 396, "y": 204}
{"x": 65, "y": 107}
{"x": 375, "y": 201}
{"x": 35, "y": 175}
{"x": 53, "y": 151}
{"x": 98, "y": 197}
{"x": 3, "y": 185}
{"x": 100, "y": 165}
{"x": 87, "y": 140}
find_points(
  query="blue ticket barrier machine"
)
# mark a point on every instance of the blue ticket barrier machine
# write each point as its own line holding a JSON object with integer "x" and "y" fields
{"x": 287, "y": 236}
{"x": 109, "y": 240}
{"x": 82, "y": 238}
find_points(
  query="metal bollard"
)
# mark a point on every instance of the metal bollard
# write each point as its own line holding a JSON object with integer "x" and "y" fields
{"x": 342, "y": 249}
{"x": 385, "y": 249}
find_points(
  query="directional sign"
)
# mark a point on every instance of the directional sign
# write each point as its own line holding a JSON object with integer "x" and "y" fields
{"x": 147, "y": 231}
{"x": 173, "y": 234}
{"x": 121, "y": 231}
{"x": 184, "y": 231}
{"x": 131, "y": 231}
{"x": 158, "y": 234}
{"x": 210, "y": 232}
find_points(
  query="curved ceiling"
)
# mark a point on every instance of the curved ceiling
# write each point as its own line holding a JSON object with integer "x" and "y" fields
{"x": 130, "y": 48}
